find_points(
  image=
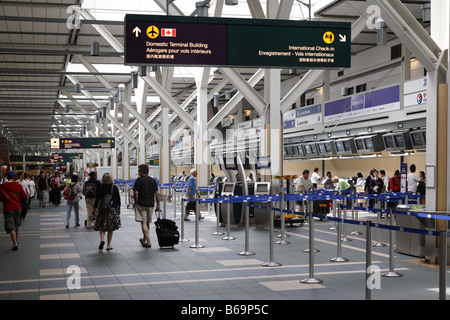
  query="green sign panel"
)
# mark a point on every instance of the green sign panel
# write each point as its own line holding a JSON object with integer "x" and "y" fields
{"x": 225, "y": 42}
{"x": 65, "y": 157}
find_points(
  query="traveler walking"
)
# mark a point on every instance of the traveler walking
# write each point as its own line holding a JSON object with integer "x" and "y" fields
{"x": 26, "y": 188}
{"x": 90, "y": 189}
{"x": 107, "y": 204}
{"x": 145, "y": 192}
{"x": 42, "y": 187}
{"x": 12, "y": 194}
{"x": 192, "y": 193}
{"x": 72, "y": 195}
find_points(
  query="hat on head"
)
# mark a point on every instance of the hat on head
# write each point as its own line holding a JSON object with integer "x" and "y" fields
{"x": 193, "y": 170}
{"x": 11, "y": 175}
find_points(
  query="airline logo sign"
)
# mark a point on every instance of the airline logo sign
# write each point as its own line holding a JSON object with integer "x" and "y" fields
{"x": 301, "y": 117}
{"x": 415, "y": 92}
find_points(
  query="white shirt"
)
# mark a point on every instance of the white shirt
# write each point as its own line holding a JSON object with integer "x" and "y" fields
{"x": 25, "y": 186}
{"x": 412, "y": 180}
{"x": 32, "y": 187}
{"x": 315, "y": 178}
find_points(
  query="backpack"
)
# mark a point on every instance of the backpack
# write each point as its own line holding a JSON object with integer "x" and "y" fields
{"x": 90, "y": 190}
{"x": 68, "y": 193}
{"x": 107, "y": 201}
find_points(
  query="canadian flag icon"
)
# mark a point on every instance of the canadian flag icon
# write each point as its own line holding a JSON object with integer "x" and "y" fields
{"x": 166, "y": 32}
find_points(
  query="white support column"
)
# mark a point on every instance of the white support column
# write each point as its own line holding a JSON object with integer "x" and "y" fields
{"x": 141, "y": 103}
{"x": 126, "y": 148}
{"x": 165, "y": 78}
{"x": 202, "y": 154}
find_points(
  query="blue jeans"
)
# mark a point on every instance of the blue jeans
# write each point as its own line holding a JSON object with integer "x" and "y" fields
{"x": 70, "y": 204}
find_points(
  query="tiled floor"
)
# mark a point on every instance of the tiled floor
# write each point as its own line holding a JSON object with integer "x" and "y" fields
{"x": 51, "y": 257}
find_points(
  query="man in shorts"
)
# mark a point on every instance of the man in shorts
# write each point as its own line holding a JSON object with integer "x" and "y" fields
{"x": 145, "y": 192}
{"x": 42, "y": 186}
{"x": 12, "y": 194}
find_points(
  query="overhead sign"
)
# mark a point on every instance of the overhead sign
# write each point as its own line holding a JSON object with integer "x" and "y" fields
{"x": 65, "y": 157}
{"x": 226, "y": 42}
{"x": 363, "y": 104}
{"x": 82, "y": 143}
{"x": 302, "y": 117}
{"x": 415, "y": 92}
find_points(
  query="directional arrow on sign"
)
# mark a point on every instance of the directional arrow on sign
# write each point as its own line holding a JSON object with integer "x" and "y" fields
{"x": 342, "y": 38}
{"x": 137, "y": 31}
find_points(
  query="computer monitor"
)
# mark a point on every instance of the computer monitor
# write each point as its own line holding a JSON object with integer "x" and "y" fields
{"x": 389, "y": 141}
{"x": 263, "y": 162}
{"x": 347, "y": 146}
{"x": 328, "y": 147}
{"x": 321, "y": 148}
{"x": 288, "y": 151}
{"x": 228, "y": 189}
{"x": 313, "y": 149}
{"x": 339, "y": 146}
{"x": 307, "y": 149}
{"x": 368, "y": 143}
{"x": 262, "y": 188}
{"x": 359, "y": 144}
{"x": 399, "y": 141}
{"x": 300, "y": 151}
{"x": 417, "y": 138}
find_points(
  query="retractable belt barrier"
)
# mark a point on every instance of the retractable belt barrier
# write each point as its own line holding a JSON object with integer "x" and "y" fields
{"x": 335, "y": 196}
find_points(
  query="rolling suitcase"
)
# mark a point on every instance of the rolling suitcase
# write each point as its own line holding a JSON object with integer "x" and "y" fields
{"x": 166, "y": 232}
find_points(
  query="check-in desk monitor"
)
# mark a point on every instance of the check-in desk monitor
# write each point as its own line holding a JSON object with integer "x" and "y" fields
{"x": 228, "y": 189}
{"x": 262, "y": 188}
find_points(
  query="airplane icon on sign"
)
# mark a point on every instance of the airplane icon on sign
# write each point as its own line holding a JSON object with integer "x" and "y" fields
{"x": 152, "y": 32}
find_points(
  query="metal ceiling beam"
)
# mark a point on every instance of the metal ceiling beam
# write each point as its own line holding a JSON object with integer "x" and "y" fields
{"x": 247, "y": 90}
{"x": 411, "y": 33}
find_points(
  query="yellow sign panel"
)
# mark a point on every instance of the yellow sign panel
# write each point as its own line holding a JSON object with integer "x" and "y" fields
{"x": 152, "y": 32}
{"x": 328, "y": 37}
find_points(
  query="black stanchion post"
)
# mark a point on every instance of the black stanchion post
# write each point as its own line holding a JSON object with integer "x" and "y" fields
{"x": 228, "y": 237}
{"x": 182, "y": 221}
{"x": 443, "y": 265}
{"x": 368, "y": 258}
{"x": 308, "y": 210}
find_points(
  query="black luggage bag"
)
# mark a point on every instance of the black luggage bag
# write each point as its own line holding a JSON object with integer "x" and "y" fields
{"x": 167, "y": 232}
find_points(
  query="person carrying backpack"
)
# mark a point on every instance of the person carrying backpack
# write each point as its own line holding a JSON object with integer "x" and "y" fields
{"x": 90, "y": 193}
{"x": 107, "y": 202}
{"x": 72, "y": 195}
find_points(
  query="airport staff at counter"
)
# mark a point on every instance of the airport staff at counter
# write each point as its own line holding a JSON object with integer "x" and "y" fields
{"x": 304, "y": 184}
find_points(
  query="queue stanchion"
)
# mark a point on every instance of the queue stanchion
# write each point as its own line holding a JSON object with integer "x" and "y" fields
{"x": 311, "y": 279}
{"x": 355, "y": 217}
{"x": 308, "y": 210}
{"x": 217, "y": 233}
{"x": 443, "y": 265}
{"x": 391, "y": 273}
{"x": 368, "y": 259}
{"x": 174, "y": 193}
{"x": 282, "y": 221}
{"x": 333, "y": 208}
{"x": 339, "y": 257}
{"x": 271, "y": 262}
{"x": 228, "y": 236}
{"x": 379, "y": 243}
{"x": 197, "y": 219}
{"x": 344, "y": 231}
{"x": 182, "y": 238}
{"x": 246, "y": 251}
